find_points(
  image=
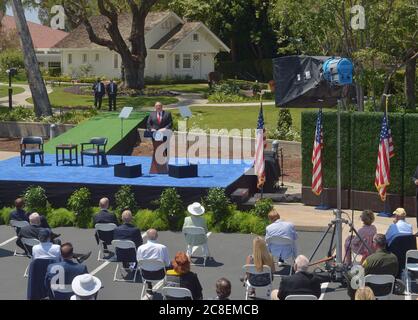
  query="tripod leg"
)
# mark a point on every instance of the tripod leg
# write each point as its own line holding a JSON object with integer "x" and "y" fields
{"x": 332, "y": 242}
{"x": 320, "y": 241}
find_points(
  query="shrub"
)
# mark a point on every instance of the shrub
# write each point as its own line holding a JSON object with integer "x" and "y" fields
{"x": 36, "y": 200}
{"x": 263, "y": 207}
{"x": 147, "y": 219}
{"x": 61, "y": 218}
{"x": 227, "y": 88}
{"x": 11, "y": 58}
{"x": 5, "y": 215}
{"x": 246, "y": 222}
{"x": 125, "y": 199}
{"x": 79, "y": 203}
{"x": 218, "y": 203}
{"x": 220, "y": 97}
{"x": 171, "y": 208}
{"x": 284, "y": 124}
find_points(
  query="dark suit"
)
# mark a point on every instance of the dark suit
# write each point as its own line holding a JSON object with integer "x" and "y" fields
{"x": 21, "y": 215}
{"x": 71, "y": 270}
{"x": 112, "y": 92}
{"x": 416, "y": 178}
{"x": 99, "y": 91}
{"x": 128, "y": 231}
{"x": 300, "y": 283}
{"x": 166, "y": 122}
{"x": 105, "y": 216}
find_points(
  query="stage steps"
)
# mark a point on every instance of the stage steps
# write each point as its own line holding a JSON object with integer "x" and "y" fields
{"x": 104, "y": 125}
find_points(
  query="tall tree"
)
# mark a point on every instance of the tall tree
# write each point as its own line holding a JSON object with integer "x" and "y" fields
{"x": 133, "y": 51}
{"x": 40, "y": 97}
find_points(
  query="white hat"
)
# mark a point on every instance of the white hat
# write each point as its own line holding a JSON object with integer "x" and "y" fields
{"x": 196, "y": 209}
{"x": 86, "y": 285}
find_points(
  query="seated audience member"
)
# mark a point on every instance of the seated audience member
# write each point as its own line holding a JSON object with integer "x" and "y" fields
{"x": 182, "y": 277}
{"x": 399, "y": 227}
{"x": 153, "y": 250}
{"x": 19, "y": 214}
{"x": 85, "y": 287}
{"x": 196, "y": 211}
{"x": 223, "y": 289}
{"x": 260, "y": 257}
{"x": 127, "y": 231}
{"x": 46, "y": 249}
{"x": 300, "y": 283}
{"x": 70, "y": 268}
{"x": 105, "y": 216}
{"x": 364, "y": 294}
{"x": 282, "y": 229}
{"x": 366, "y": 233}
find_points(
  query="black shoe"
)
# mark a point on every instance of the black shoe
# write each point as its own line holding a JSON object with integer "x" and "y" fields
{"x": 84, "y": 257}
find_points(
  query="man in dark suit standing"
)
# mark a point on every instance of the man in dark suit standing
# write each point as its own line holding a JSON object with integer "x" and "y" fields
{"x": 112, "y": 92}
{"x": 99, "y": 90}
{"x": 415, "y": 180}
{"x": 105, "y": 216}
{"x": 159, "y": 122}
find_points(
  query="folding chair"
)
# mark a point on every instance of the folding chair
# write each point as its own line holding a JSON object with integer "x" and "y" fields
{"x": 380, "y": 280}
{"x": 104, "y": 227}
{"x": 301, "y": 297}
{"x": 125, "y": 251}
{"x": 61, "y": 292}
{"x": 150, "y": 265}
{"x": 250, "y": 269}
{"x": 173, "y": 293}
{"x": 410, "y": 266}
{"x": 29, "y": 244}
{"x": 197, "y": 232}
{"x": 289, "y": 262}
{"x": 18, "y": 225}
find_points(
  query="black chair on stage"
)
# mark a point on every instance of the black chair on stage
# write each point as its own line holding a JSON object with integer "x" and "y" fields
{"x": 97, "y": 151}
{"x": 32, "y": 152}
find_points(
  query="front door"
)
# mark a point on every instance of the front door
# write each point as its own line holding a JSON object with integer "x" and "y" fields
{"x": 197, "y": 66}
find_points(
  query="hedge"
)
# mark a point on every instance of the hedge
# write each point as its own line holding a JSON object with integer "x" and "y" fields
{"x": 360, "y": 140}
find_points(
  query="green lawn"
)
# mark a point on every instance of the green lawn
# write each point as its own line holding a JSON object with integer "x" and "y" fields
{"x": 4, "y": 91}
{"x": 243, "y": 117}
{"x": 60, "y": 98}
{"x": 184, "y": 88}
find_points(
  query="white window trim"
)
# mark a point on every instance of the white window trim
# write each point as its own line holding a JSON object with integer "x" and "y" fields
{"x": 70, "y": 58}
{"x": 86, "y": 56}
{"x": 182, "y": 61}
{"x": 97, "y": 57}
{"x": 198, "y": 37}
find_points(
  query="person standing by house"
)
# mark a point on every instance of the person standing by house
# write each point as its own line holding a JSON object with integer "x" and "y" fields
{"x": 99, "y": 91}
{"x": 112, "y": 92}
{"x": 415, "y": 180}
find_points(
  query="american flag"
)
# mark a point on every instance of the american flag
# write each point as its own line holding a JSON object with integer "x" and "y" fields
{"x": 386, "y": 152}
{"x": 317, "y": 182}
{"x": 260, "y": 146}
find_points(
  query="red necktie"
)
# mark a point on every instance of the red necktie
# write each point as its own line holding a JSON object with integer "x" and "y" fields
{"x": 159, "y": 117}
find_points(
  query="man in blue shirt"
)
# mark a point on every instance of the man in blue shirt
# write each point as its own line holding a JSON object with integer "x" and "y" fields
{"x": 399, "y": 227}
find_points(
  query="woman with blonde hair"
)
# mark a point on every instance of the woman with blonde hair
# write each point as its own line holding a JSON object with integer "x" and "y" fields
{"x": 260, "y": 257}
{"x": 365, "y": 293}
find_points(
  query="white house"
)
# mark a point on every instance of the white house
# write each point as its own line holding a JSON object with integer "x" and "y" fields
{"x": 176, "y": 48}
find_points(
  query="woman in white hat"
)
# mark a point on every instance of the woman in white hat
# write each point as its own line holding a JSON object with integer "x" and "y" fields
{"x": 86, "y": 287}
{"x": 196, "y": 219}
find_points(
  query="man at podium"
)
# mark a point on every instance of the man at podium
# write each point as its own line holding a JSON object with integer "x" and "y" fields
{"x": 160, "y": 122}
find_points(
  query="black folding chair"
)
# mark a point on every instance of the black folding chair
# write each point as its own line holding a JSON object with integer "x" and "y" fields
{"x": 97, "y": 151}
{"x": 32, "y": 152}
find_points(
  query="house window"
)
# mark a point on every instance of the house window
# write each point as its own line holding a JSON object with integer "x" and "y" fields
{"x": 84, "y": 57}
{"x": 116, "y": 61}
{"x": 70, "y": 58}
{"x": 97, "y": 58}
{"x": 160, "y": 56}
{"x": 196, "y": 37}
{"x": 187, "y": 61}
{"x": 177, "y": 61}
{"x": 54, "y": 64}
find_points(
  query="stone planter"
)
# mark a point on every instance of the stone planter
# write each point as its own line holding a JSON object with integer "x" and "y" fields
{"x": 410, "y": 205}
{"x": 13, "y": 129}
{"x": 329, "y": 198}
{"x": 371, "y": 200}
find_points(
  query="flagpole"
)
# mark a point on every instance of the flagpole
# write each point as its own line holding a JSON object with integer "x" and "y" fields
{"x": 386, "y": 210}
{"x": 261, "y": 106}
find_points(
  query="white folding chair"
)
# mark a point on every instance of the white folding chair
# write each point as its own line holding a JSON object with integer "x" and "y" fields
{"x": 123, "y": 245}
{"x": 410, "y": 266}
{"x": 197, "y": 232}
{"x": 150, "y": 265}
{"x": 282, "y": 241}
{"x": 176, "y": 293}
{"x": 29, "y": 243}
{"x": 105, "y": 227}
{"x": 301, "y": 297}
{"x": 381, "y": 280}
{"x": 18, "y": 225}
{"x": 251, "y": 269}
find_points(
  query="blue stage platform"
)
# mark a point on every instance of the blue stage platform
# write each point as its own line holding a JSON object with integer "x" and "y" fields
{"x": 63, "y": 180}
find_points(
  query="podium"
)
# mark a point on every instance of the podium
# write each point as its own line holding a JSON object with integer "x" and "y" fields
{"x": 122, "y": 170}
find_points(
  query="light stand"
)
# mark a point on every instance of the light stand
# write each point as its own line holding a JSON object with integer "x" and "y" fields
{"x": 11, "y": 72}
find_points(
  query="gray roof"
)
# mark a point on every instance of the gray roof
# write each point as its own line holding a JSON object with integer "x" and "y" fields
{"x": 175, "y": 36}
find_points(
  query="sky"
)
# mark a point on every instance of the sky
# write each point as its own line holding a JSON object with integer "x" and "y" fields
{"x": 31, "y": 15}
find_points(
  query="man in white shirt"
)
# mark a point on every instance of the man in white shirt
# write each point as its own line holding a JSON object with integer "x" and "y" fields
{"x": 153, "y": 250}
{"x": 46, "y": 249}
{"x": 399, "y": 227}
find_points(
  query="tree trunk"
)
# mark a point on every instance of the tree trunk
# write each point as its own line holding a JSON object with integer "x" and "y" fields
{"x": 40, "y": 97}
{"x": 410, "y": 79}
{"x": 360, "y": 97}
{"x": 234, "y": 54}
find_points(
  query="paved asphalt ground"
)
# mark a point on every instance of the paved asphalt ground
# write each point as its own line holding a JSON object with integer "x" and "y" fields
{"x": 229, "y": 252}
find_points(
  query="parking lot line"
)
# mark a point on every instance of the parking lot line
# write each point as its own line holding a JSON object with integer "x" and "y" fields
{"x": 8, "y": 241}
{"x": 324, "y": 287}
